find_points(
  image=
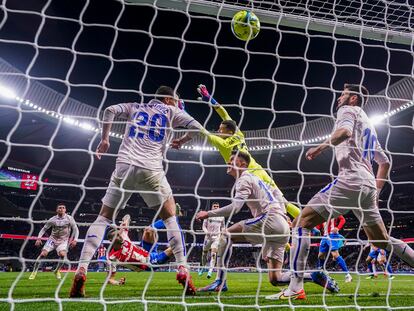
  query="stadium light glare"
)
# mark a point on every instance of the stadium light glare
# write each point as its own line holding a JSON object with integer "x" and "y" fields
{"x": 377, "y": 119}
{"x": 7, "y": 92}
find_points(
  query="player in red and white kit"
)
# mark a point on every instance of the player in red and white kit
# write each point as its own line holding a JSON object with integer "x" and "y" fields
{"x": 332, "y": 242}
{"x": 139, "y": 168}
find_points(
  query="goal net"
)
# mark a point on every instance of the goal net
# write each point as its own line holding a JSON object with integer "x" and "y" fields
{"x": 63, "y": 62}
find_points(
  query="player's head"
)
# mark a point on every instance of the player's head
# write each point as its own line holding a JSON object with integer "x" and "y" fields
{"x": 335, "y": 230}
{"x": 61, "y": 209}
{"x": 239, "y": 161}
{"x": 167, "y": 95}
{"x": 215, "y": 205}
{"x": 353, "y": 95}
{"x": 227, "y": 128}
{"x": 116, "y": 239}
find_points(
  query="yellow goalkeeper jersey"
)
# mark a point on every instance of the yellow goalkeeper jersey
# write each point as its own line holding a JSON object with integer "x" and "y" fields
{"x": 236, "y": 142}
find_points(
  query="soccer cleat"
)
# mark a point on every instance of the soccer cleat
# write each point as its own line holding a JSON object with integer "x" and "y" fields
{"x": 324, "y": 280}
{"x": 32, "y": 275}
{"x": 78, "y": 285}
{"x": 287, "y": 294}
{"x": 209, "y": 274}
{"x": 184, "y": 278}
{"x": 348, "y": 278}
{"x": 57, "y": 274}
{"x": 222, "y": 287}
{"x": 201, "y": 271}
{"x": 122, "y": 281}
{"x": 213, "y": 287}
{"x": 178, "y": 212}
{"x": 390, "y": 276}
{"x": 371, "y": 277}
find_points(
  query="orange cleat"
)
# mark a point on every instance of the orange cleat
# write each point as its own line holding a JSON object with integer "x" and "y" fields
{"x": 78, "y": 286}
{"x": 184, "y": 278}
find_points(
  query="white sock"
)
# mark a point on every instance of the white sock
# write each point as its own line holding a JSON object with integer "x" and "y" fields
{"x": 298, "y": 257}
{"x": 223, "y": 257}
{"x": 93, "y": 239}
{"x": 402, "y": 250}
{"x": 212, "y": 260}
{"x": 176, "y": 240}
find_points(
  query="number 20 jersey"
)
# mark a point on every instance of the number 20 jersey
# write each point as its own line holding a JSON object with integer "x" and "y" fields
{"x": 355, "y": 155}
{"x": 149, "y": 131}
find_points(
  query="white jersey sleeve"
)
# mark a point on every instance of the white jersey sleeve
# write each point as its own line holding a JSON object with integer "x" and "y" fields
{"x": 355, "y": 154}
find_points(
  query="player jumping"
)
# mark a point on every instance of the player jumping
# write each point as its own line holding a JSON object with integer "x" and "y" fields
{"x": 64, "y": 232}
{"x": 332, "y": 242}
{"x": 231, "y": 138}
{"x": 212, "y": 227}
{"x": 356, "y": 145}
{"x": 139, "y": 168}
{"x": 268, "y": 226}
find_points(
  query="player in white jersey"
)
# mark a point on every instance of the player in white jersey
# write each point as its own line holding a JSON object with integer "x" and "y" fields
{"x": 356, "y": 187}
{"x": 212, "y": 227}
{"x": 269, "y": 225}
{"x": 139, "y": 168}
{"x": 64, "y": 233}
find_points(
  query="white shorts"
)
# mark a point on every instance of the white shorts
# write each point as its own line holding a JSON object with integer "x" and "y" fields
{"x": 335, "y": 200}
{"x": 210, "y": 243}
{"x": 59, "y": 246}
{"x": 271, "y": 230}
{"x": 127, "y": 179}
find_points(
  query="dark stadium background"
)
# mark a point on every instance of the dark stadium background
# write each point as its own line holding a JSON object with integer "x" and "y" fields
{"x": 127, "y": 82}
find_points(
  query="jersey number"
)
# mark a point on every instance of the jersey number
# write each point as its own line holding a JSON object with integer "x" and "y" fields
{"x": 369, "y": 141}
{"x": 154, "y": 133}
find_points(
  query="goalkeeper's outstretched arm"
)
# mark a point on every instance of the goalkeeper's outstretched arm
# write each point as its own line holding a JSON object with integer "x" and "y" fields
{"x": 205, "y": 96}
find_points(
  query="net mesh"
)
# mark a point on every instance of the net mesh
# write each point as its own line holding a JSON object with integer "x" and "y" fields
{"x": 63, "y": 63}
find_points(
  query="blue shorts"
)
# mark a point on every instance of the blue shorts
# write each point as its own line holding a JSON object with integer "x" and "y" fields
{"x": 328, "y": 245}
{"x": 102, "y": 258}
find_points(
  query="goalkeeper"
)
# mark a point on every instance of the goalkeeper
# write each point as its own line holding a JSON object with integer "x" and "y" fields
{"x": 229, "y": 139}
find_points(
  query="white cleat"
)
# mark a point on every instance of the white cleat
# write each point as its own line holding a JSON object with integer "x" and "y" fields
{"x": 287, "y": 294}
{"x": 348, "y": 278}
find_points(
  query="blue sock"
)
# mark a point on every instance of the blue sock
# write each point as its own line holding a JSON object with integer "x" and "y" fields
{"x": 370, "y": 268}
{"x": 159, "y": 224}
{"x": 342, "y": 264}
{"x": 162, "y": 258}
{"x": 389, "y": 269}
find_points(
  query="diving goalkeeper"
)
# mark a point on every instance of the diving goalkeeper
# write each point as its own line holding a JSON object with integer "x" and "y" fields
{"x": 230, "y": 138}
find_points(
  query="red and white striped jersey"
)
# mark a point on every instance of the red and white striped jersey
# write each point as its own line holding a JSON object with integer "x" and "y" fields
{"x": 131, "y": 256}
{"x": 327, "y": 226}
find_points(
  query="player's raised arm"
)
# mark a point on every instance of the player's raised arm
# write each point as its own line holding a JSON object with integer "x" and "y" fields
{"x": 74, "y": 234}
{"x": 341, "y": 222}
{"x": 206, "y": 97}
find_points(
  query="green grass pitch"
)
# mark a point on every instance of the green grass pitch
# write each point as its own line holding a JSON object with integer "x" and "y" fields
{"x": 45, "y": 292}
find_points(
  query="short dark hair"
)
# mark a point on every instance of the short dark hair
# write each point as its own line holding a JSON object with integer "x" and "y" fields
{"x": 241, "y": 154}
{"x": 164, "y": 91}
{"x": 215, "y": 203}
{"x": 60, "y": 204}
{"x": 359, "y": 90}
{"x": 230, "y": 125}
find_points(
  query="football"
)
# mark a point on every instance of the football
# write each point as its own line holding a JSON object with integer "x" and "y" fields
{"x": 245, "y": 25}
